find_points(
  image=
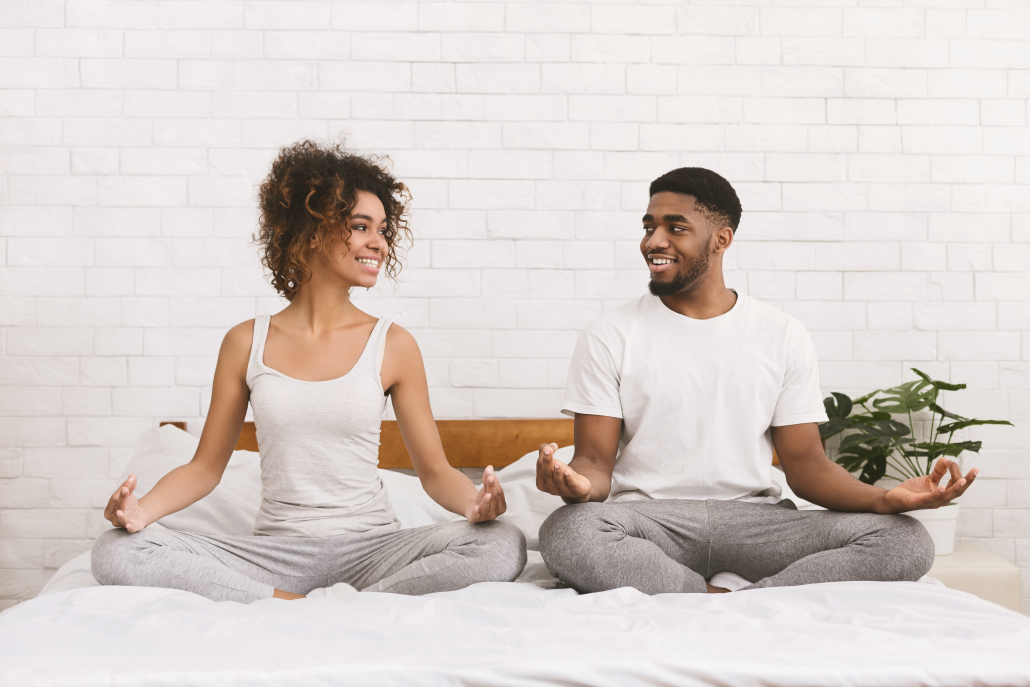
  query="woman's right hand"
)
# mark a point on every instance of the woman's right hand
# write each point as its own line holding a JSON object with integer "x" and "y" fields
{"x": 123, "y": 510}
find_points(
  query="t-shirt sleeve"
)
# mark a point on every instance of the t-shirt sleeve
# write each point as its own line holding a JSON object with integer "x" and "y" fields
{"x": 593, "y": 384}
{"x": 801, "y": 399}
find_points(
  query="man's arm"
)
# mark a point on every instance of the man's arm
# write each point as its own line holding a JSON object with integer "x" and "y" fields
{"x": 814, "y": 477}
{"x": 588, "y": 476}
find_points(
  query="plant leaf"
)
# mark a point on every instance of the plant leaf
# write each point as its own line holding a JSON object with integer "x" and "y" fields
{"x": 874, "y": 470}
{"x": 837, "y": 406}
{"x": 935, "y": 449}
{"x": 907, "y": 398}
{"x": 955, "y": 426}
{"x": 862, "y": 399}
{"x": 943, "y": 386}
{"x": 834, "y": 427}
{"x": 937, "y": 409}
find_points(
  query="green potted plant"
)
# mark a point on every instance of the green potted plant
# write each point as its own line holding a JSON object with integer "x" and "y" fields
{"x": 880, "y": 440}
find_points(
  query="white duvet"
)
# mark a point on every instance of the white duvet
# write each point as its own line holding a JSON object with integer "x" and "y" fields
{"x": 514, "y": 634}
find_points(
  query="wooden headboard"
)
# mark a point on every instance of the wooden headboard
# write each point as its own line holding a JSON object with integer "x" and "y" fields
{"x": 467, "y": 443}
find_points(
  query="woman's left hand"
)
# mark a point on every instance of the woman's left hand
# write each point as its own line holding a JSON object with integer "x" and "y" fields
{"x": 489, "y": 501}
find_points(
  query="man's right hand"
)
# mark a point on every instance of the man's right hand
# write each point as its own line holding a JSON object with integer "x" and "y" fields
{"x": 123, "y": 510}
{"x": 555, "y": 477}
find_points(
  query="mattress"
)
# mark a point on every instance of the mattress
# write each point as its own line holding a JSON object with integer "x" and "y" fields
{"x": 513, "y": 634}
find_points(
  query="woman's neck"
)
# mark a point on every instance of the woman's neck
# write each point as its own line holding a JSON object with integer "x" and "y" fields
{"x": 319, "y": 307}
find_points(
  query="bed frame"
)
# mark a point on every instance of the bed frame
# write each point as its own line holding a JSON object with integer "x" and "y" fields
{"x": 467, "y": 443}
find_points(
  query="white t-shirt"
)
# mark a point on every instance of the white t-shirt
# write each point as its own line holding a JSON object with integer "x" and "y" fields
{"x": 696, "y": 397}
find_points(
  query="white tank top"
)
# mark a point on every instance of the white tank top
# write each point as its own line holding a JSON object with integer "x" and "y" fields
{"x": 319, "y": 446}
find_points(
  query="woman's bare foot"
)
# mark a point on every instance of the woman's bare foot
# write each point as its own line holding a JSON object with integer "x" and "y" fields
{"x": 716, "y": 590}
{"x": 280, "y": 594}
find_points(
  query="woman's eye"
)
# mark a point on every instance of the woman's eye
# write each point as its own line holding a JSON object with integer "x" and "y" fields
{"x": 360, "y": 227}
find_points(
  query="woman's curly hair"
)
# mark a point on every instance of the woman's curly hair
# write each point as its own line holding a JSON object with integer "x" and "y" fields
{"x": 308, "y": 196}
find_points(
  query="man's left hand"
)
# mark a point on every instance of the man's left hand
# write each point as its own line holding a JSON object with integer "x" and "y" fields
{"x": 927, "y": 492}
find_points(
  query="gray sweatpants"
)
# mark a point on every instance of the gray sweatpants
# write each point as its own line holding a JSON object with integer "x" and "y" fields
{"x": 434, "y": 558}
{"x": 675, "y": 545}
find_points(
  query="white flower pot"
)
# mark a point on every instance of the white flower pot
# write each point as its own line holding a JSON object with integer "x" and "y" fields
{"x": 940, "y": 523}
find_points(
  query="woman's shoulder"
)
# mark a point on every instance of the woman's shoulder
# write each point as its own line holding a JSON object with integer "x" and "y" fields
{"x": 239, "y": 338}
{"x": 400, "y": 339}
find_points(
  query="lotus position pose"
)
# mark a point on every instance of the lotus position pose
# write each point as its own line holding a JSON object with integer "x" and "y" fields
{"x": 679, "y": 398}
{"x": 317, "y": 375}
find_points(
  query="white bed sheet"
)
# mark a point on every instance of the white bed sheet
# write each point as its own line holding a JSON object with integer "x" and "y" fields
{"x": 513, "y": 635}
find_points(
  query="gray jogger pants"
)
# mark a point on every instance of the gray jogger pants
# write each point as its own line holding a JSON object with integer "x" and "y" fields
{"x": 434, "y": 558}
{"x": 675, "y": 545}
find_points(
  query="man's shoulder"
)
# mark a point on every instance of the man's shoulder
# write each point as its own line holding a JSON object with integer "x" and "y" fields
{"x": 772, "y": 319}
{"x": 619, "y": 319}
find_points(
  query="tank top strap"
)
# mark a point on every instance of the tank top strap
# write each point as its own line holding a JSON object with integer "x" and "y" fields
{"x": 257, "y": 346}
{"x": 377, "y": 345}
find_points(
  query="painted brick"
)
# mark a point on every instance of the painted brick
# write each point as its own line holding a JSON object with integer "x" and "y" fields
{"x": 473, "y": 373}
{"x": 647, "y": 19}
{"x": 80, "y": 43}
{"x": 481, "y": 47}
{"x": 967, "y": 83}
{"x": 725, "y": 20}
{"x": 593, "y": 48}
{"x": 697, "y": 50}
{"x": 534, "y": 18}
{"x": 165, "y": 104}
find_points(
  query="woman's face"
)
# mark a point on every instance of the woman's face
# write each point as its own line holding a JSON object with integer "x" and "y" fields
{"x": 358, "y": 264}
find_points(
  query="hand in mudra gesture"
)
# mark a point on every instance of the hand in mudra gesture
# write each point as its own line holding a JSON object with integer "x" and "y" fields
{"x": 489, "y": 501}
{"x": 927, "y": 491}
{"x": 123, "y": 510}
{"x": 555, "y": 477}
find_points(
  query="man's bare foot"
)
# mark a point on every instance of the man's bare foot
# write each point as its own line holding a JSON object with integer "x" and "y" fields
{"x": 280, "y": 594}
{"x": 716, "y": 590}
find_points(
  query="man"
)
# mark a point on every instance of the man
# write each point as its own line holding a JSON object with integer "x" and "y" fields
{"x": 679, "y": 398}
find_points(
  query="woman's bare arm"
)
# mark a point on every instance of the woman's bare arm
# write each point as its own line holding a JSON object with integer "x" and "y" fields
{"x": 404, "y": 377}
{"x": 193, "y": 481}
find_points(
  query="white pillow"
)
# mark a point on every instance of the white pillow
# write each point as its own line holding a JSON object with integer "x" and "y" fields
{"x": 410, "y": 501}
{"x": 230, "y": 509}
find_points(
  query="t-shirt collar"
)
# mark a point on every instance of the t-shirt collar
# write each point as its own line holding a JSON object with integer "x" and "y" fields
{"x": 711, "y": 323}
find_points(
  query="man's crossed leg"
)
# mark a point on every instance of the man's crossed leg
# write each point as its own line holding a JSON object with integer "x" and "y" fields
{"x": 675, "y": 545}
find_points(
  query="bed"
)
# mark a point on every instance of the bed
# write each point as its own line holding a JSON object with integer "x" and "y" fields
{"x": 529, "y": 632}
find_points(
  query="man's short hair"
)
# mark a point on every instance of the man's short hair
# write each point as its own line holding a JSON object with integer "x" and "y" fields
{"x": 716, "y": 200}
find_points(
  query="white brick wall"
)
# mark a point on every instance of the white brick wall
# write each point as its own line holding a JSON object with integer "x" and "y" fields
{"x": 882, "y": 155}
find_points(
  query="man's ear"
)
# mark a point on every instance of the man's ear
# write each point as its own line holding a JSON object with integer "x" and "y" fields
{"x": 723, "y": 239}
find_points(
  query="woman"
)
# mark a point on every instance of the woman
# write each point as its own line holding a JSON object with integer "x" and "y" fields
{"x": 317, "y": 375}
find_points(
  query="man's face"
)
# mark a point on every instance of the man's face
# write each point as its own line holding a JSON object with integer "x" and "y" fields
{"x": 677, "y": 243}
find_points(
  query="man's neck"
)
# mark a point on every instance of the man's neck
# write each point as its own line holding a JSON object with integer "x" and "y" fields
{"x": 704, "y": 301}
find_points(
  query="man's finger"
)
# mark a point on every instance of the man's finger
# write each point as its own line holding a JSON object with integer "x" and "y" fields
{"x": 937, "y": 473}
{"x": 953, "y": 472}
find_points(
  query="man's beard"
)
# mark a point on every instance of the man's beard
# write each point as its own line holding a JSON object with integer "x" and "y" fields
{"x": 683, "y": 281}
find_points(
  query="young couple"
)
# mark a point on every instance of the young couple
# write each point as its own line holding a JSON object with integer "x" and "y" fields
{"x": 679, "y": 398}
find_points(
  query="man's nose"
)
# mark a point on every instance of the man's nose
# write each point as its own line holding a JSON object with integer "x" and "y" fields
{"x": 658, "y": 239}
